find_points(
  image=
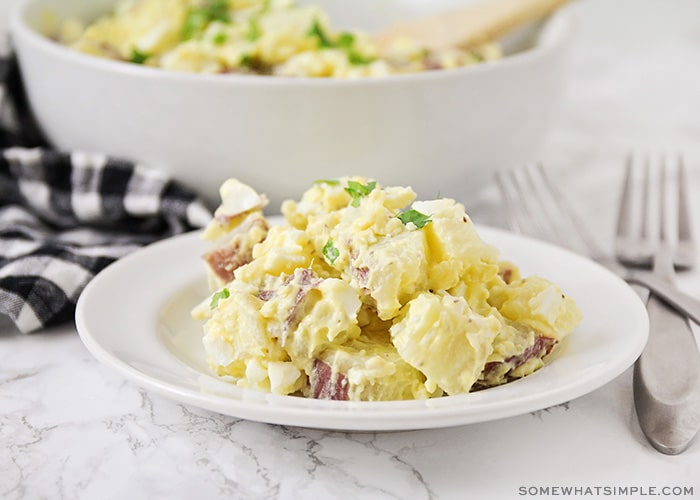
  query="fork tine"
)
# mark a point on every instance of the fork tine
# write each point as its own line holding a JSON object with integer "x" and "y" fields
{"x": 685, "y": 251}
{"x": 684, "y": 230}
{"x": 624, "y": 215}
{"x": 645, "y": 229}
{"x": 634, "y": 236}
{"x": 664, "y": 231}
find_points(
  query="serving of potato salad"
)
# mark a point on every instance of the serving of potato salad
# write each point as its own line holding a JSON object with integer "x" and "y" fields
{"x": 265, "y": 37}
{"x": 366, "y": 294}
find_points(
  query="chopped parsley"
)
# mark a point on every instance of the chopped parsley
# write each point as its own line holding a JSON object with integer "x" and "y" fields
{"x": 253, "y": 31}
{"x": 322, "y": 39}
{"x": 358, "y": 59}
{"x": 138, "y": 57}
{"x": 357, "y": 190}
{"x": 246, "y": 61}
{"x": 330, "y": 182}
{"x": 195, "y": 22}
{"x": 221, "y": 294}
{"x": 344, "y": 41}
{"x": 414, "y": 217}
{"x": 330, "y": 252}
{"x": 220, "y": 38}
{"x": 199, "y": 18}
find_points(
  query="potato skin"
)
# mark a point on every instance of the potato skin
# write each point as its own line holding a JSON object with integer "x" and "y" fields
{"x": 327, "y": 384}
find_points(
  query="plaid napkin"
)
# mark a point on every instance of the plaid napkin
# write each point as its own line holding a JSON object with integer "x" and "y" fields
{"x": 64, "y": 216}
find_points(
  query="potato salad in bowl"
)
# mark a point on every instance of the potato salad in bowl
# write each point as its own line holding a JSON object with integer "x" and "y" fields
{"x": 264, "y": 37}
{"x": 364, "y": 293}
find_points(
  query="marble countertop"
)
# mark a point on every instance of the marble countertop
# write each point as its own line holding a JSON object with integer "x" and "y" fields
{"x": 71, "y": 428}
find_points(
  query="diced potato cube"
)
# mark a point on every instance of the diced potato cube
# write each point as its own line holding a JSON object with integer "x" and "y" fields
{"x": 443, "y": 338}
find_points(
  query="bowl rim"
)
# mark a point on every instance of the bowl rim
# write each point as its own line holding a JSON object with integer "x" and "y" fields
{"x": 556, "y": 33}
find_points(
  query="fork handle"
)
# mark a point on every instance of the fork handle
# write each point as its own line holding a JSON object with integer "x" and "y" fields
{"x": 669, "y": 293}
{"x": 667, "y": 380}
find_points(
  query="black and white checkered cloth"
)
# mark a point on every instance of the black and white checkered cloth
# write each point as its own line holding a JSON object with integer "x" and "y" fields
{"x": 65, "y": 216}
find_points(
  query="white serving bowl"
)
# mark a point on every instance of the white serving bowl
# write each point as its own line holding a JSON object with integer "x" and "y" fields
{"x": 441, "y": 132}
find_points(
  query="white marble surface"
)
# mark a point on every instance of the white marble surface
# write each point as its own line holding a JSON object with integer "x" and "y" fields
{"x": 72, "y": 428}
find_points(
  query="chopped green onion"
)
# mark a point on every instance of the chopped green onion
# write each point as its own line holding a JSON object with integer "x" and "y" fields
{"x": 199, "y": 18}
{"x": 317, "y": 31}
{"x": 220, "y": 38}
{"x": 221, "y": 294}
{"x": 253, "y": 31}
{"x": 357, "y": 190}
{"x": 415, "y": 217}
{"x": 218, "y": 11}
{"x": 330, "y": 252}
{"x": 345, "y": 40}
{"x": 195, "y": 22}
{"x": 138, "y": 57}
{"x": 358, "y": 59}
{"x": 246, "y": 60}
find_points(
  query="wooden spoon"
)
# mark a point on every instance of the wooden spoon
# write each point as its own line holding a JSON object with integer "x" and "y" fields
{"x": 468, "y": 25}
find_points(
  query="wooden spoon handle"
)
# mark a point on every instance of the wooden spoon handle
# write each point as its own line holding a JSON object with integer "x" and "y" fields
{"x": 469, "y": 25}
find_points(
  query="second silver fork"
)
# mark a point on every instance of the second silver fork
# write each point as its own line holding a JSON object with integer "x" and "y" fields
{"x": 667, "y": 374}
{"x": 535, "y": 206}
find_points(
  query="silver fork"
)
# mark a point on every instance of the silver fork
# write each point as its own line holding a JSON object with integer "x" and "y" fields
{"x": 536, "y": 206}
{"x": 667, "y": 374}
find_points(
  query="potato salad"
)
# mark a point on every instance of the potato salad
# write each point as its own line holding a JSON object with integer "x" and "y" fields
{"x": 365, "y": 294}
{"x": 264, "y": 37}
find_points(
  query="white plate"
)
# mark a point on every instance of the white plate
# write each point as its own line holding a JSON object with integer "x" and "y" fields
{"x": 134, "y": 317}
